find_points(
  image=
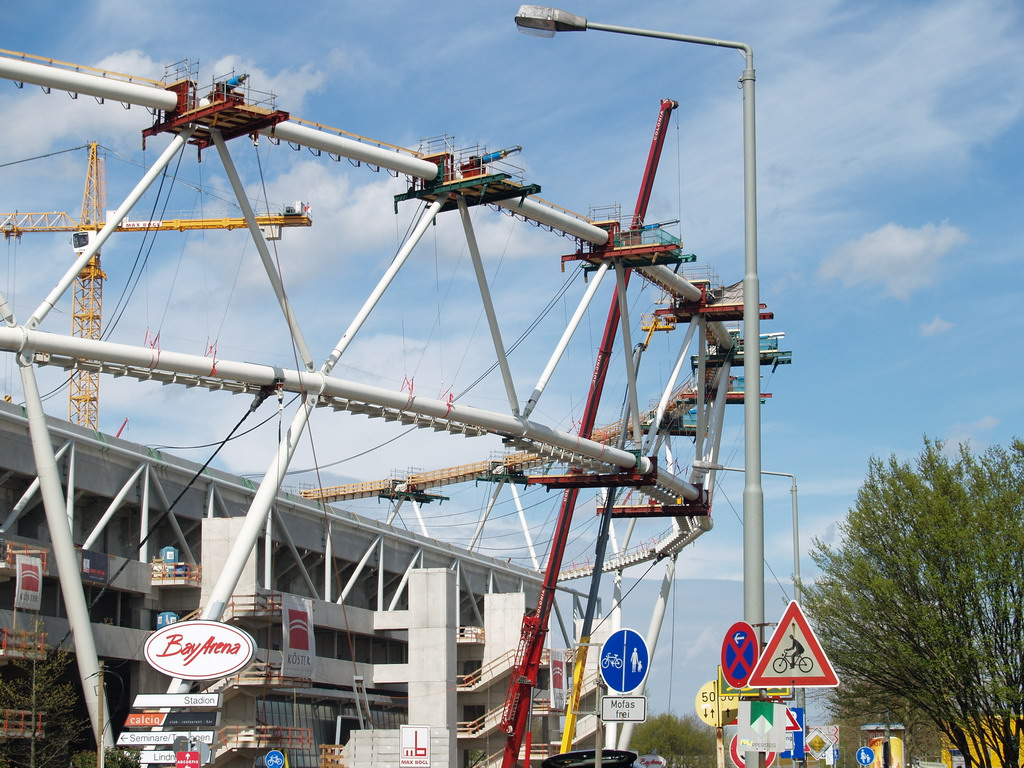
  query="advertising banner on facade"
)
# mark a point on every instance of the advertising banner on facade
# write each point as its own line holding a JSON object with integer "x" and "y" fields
{"x": 28, "y": 591}
{"x": 298, "y": 646}
{"x": 559, "y": 689}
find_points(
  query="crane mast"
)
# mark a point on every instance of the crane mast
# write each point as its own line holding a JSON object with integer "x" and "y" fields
{"x": 87, "y": 301}
{"x": 515, "y": 718}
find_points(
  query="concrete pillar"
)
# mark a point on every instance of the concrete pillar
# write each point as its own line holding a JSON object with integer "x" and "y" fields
{"x": 432, "y": 652}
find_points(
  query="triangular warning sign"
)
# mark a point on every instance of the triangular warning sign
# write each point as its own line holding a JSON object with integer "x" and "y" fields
{"x": 793, "y": 656}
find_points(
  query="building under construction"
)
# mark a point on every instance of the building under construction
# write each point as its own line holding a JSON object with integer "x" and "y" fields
{"x": 408, "y": 628}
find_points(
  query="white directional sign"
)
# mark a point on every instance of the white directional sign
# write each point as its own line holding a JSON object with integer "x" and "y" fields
{"x": 624, "y": 709}
{"x": 154, "y": 700}
{"x": 157, "y": 757}
{"x": 141, "y": 738}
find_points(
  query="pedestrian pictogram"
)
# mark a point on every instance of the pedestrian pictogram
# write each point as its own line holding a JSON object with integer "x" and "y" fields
{"x": 865, "y": 756}
{"x": 624, "y": 660}
{"x": 793, "y": 656}
{"x": 739, "y": 653}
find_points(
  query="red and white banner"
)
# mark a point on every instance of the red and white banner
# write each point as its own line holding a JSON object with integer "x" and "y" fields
{"x": 28, "y": 592}
{"x": 559, "y": 689}
{"x": 298, "y": 646}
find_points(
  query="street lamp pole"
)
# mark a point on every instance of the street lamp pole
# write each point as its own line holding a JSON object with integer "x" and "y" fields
{"x": 797, "y": 588}
{"x": 540, "y": 20}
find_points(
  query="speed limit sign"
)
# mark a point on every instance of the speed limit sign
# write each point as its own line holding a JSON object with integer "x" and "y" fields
{"x": 713, "y": 708}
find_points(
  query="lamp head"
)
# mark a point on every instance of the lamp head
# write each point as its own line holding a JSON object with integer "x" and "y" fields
{"x": 544, "y": 22}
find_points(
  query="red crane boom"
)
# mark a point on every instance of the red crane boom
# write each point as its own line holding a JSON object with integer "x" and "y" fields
{"x": 515, "y": 717}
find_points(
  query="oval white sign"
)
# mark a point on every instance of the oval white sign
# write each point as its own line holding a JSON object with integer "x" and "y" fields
{"x": 199, "y": 650}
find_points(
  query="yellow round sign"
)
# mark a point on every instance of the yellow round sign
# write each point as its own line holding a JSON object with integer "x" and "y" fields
{"x": 714, "y": 709}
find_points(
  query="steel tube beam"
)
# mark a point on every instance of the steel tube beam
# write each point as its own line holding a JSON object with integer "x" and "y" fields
{"x": 16, "y": 339}
{"x": 264, "y": 252}
{"x": 659, "y": 414}
{"x": 68, "y": 568}
{"x": 114, "y": 505}
{"x": 356, "y": 150}
{"x": 400, "y": 258}
{"x": 90, "y": 85}
{"x": 567, "y": 335}
{"x": 563, "y": 222}
{"x": 113, "y": 223}
{"x": 488, "y": 304}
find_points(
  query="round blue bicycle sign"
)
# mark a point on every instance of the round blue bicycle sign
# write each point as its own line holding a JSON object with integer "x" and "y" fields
{"x": 624, "y": 661}
{"x": 274, "y": 759}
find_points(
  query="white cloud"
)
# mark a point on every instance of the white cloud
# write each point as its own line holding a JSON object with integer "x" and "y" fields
{"x": 935, "y": 327}
{"x": 896, "y": 259}
{"x": 972, "y": 433}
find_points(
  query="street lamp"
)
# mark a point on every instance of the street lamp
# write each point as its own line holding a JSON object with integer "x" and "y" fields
{"x": 540, "y": 20}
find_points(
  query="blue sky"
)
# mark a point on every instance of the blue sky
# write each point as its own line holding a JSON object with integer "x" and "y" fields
{"x": 889, "y": 195}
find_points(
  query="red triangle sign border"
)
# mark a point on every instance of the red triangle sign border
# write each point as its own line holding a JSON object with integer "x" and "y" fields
{"x": 827, "y": 678}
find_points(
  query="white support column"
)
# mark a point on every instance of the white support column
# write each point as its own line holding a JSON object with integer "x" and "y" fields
{"x": 417, "y": 556}
{"x": 670, "y": 386}
{"x": 419, "y": 517}
{"x": 268, "y": 551}
{"x": 653, "y": 632}
{"x": 627, "y": 354}
{"x": 485, "y": 298}
{"x": 144, "y": 517}
{"x": 186, "y": 550}
{"x": 358, "y": 570}
{"x": 112, "y": 223}
{"x": 68, "y": 569}
{"x": 267, "y": 491}
{"x": 567, "y": 335}
{"x": 290, "y": 543}
{"x": 114, "y": 505}
{"x": 702, "y": 389}
{"x": 380, "y": 575}
{"x": 264, "y": 252}
{"x": 486, "y": 513}
{"x": 400, "y": 258}
{"x": 525, "y": 527}
{"x": 70, "y": 497}
{"x": 328, "y": 561}
{"x": 394, "y": 511}
{"x": 29, "y": 494}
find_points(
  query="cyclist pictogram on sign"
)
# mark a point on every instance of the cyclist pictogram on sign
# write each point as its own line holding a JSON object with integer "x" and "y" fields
{"x": 793, "y": 656}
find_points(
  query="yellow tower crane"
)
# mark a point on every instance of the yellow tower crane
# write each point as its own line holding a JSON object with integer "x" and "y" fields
{"x": 87, "y": 304}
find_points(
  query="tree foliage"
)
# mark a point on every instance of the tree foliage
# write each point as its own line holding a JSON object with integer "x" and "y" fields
{"x": 684, "y": 741}
{"x": 920, "y": 604}
{"x": 41, "y": 686}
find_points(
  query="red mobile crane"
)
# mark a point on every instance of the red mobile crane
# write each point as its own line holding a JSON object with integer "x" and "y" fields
{"x": 515, "y": 718}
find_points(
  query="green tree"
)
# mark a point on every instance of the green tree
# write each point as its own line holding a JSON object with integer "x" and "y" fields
{"x": 920, "y": 604}
{"x": 42, "y": 688}
{"x": 685, "y": 742}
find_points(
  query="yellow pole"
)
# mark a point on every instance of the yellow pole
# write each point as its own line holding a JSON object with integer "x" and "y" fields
{"x": 574, "y": 698}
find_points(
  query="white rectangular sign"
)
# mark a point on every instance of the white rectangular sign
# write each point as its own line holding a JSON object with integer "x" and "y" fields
{"x": 140, "y": 738}
{"x": 299, "y": 647}
{"x": 28, "y": 591}
{"x": 414, "y": 746}
{"x": 157, "y": 757}
{"x": 624, "y": 709}
{"x": 154, "y": 700}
